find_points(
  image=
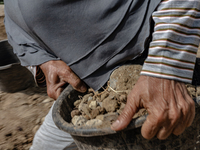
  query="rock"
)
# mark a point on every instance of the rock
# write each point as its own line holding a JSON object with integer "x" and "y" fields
{"x": 90, "y": 90}
{"x": 94, "y": 113}
{"x": 198, "y": 91}
{"x": 110, "y": 105}
{"x": 35, "y": 97}
{"x": 101, "y": 109}
{"x": 8, "y": 134}
{"x": 34, "y": 130}
{"x": 100, "y": 104}
{"x": 77, "y": 103}
{"x": 125, "y": 77}
{"x": 93, "y": 105}
{"x": 94, "y": 123}
{"x": 100, "y": 117}
{"x": 47, "y": 100}
{"x": 192, "y": 90}
{"x": 18, "y": 128}
{"x": 123, "y": 98}
{"x": 84, "y": 108}
{"x": 104, "y": 95}
{"x": 75, "y": 113}
{"x": 90, "y": 98}
{"x": 86, "y": 117}
{"x": 113, "y": 96}
{"x": 113, "y": 84}
{"x": 79, "y": 120}
{"x": 110, "y": 117}
{"x": 86, "y": 97}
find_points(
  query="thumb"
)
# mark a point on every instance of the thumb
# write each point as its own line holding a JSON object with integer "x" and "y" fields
{"x": 126, "y": 116}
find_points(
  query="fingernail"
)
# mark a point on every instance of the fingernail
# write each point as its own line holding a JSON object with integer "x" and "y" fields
{"x": 83, "y": 88}
{"x": 115, "y": 125}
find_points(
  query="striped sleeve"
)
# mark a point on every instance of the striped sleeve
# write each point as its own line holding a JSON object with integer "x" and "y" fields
{"x": 176, "y": 37}
{"x": 38, "y": 75}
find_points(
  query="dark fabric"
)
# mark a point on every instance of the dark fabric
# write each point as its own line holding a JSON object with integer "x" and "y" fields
{"x": 91, "y": 36}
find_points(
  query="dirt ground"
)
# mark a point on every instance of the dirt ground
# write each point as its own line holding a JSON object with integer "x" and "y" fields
{"x": 21, "y": 113}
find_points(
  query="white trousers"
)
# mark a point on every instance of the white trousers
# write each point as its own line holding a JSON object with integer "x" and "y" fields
{"x": 49, "y": 137}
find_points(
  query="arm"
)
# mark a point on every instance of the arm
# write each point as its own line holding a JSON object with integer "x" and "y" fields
{"x": 160, "y": 88}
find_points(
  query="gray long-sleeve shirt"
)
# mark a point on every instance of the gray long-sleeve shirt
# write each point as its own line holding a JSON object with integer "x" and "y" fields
{"x": 92, "y": 37}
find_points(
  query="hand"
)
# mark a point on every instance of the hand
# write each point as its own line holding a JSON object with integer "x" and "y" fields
{"x": 168, "y": 103}
{"x": 58, "y": 74}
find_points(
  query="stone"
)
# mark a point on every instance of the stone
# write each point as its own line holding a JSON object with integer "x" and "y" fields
{"x": 75, "y": 113}
{"x": 110, "y": 117}
{"x": 94, "y": 123}
{"x": 76, "y": 103}
{"x": 90, "y": 98}
{"x": 104, "y": 95}
{"x": 86, "y": 97}
{"x": 100, "y": 104}
{"x": 35, "y": 97}
{"x": 84, "y": 108}
{"x": 47, "y": 100}
{"x": 100, "y": 117}
{"x": 110, "y": 105}
{"x": 101, "y": 110}
{"x": 123, "y": 98}
{"x": 94, "y": 113}
{"x": 79, "y": 120}
{"x": 93, "y": 105}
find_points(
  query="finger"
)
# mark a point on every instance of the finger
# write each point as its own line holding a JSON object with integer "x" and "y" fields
{"x": 58, "y": 92}
{"x": 188, "y": 117}
{"x": 127, "y": 114}
{"x": 150, "y": 128}
{"x": 170, "y": 124}
{"x": 179, "y": 129}
{"x": 188, "y": 107}
{"x": 51, "y": 91}
{"x": 191, "y": 112}
{"x": 164, "y": 132}
{"x": 69, "y": 76}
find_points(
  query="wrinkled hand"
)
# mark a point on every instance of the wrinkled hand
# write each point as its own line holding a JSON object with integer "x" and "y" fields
{"x": 58, "y": 74}
{"x": 170, "y": 108}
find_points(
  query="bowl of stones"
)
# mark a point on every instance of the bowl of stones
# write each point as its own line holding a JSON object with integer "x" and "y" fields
{"x": 88, "y": 117}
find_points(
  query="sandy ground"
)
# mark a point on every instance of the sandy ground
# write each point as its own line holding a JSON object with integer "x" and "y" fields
{"x": 21, "y": 113}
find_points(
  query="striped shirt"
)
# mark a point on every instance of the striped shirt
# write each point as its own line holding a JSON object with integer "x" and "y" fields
{"x": 176, "y": 37}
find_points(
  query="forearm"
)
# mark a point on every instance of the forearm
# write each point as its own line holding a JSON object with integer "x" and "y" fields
{"x": 176, "y": 37}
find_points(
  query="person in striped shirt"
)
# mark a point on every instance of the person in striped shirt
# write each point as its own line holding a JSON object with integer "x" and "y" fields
{"x": 79, "y": 48}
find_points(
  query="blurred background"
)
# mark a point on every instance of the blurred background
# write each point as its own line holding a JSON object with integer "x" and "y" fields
{"x": 22, "y": 106}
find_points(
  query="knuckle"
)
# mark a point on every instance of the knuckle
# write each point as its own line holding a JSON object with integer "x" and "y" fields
{"x": 50, "y": 93}
{"x": 160, "y": 119}
{"x": 192, "y": 104}
{"x": 186, "y": 107}
{"x": 176, "y": 115}
{"x": 67, "y": 71}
